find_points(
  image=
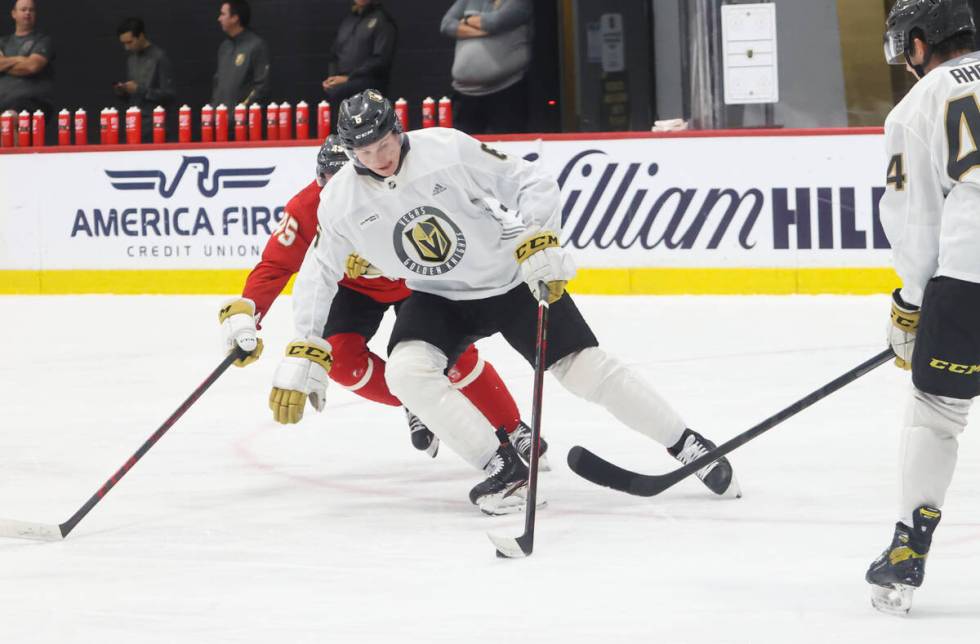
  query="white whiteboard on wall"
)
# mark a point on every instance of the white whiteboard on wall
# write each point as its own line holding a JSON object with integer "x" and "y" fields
{"x": 751, "y": 72}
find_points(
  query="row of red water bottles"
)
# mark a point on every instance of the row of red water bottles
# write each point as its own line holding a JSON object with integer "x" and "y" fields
{"x": 280, "y": 121}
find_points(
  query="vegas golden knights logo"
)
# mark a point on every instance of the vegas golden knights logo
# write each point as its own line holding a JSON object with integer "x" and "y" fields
{"x": 430, "y": 241}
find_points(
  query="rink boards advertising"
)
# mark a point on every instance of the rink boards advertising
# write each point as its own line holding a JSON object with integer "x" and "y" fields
{"x": 776, "y": 212}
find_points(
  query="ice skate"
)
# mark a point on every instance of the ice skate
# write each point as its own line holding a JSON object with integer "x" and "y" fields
{"x": 505, "y": 489}
{"x": 901, "y": 568}
{"x": 520, "y": 438}
{"x": 718, "y": 476}
{"x": 422, "y": 437}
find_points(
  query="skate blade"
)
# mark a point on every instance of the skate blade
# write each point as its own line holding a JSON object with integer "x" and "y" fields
{"x": 433, "y": 447}
{"x": 543, "y": 464}
{"x": 893, "y": 600}
{"x": 511, "y": 501}
{"x": 734, "y": 490}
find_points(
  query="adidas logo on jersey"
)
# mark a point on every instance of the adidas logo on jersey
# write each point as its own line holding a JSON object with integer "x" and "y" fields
{"x": 439, "y": 188}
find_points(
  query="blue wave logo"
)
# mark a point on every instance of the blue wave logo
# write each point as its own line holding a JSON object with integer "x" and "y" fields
{"x": 208, "y": 184}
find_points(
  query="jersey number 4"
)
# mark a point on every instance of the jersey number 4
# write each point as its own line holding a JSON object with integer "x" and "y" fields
{"x": 962, "y": 128}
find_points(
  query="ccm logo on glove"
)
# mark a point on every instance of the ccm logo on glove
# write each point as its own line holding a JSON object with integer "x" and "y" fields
{"x": 536, "y": 243}
{"x": 310, "y": 352}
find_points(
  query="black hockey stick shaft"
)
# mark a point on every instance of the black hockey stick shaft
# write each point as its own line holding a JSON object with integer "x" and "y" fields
{"x": 526, "y": 540}
{"x": 598, "y": 470}
{"x": 70, "y": 524}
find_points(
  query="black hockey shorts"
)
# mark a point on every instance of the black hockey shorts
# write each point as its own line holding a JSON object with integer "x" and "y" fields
{"x": 946, "y": 360}
{"x": 354, "y": 312}
{"x": 453, "y": 325}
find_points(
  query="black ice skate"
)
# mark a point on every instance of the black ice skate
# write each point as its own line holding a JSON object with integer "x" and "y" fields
{"x": 520, "y": 438}
{"x": 422, "y": 437}
{"x": 900, "y": 569}
{"x": 505, "y": 489}
{"x": 718, "y": 476}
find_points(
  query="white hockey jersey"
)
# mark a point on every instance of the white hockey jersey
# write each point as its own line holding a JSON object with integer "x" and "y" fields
{"x": 430, "y": 223}
{"x": 931, "y": 208}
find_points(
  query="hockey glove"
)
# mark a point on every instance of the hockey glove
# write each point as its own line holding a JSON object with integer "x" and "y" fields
{"x": 542, "y": 259}
{"x": 357, "y": 266}
{"x": 237, "y": 318}
{"x": 301, "y": 375}
{"x": 901, "y": 330}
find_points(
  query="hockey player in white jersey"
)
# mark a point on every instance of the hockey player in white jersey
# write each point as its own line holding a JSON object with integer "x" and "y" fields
{"x": 415, "y": 205}
{"x": 931, "y": 214}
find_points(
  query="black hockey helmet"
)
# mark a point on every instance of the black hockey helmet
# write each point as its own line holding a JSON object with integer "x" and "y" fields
{"x": 330, "y": 159}
{"x": 931, "y": 20}
{"x": 365, "y": 118}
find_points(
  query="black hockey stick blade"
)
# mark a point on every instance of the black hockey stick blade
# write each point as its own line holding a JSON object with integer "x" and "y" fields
{"x": 49, "y": 532}
{"x": 523, "y": 546}
{"x": 598, "y": 470}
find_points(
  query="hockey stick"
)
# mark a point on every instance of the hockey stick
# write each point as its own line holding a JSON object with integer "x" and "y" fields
{"x": 601, "y": 472}
{"x": 51, "y": 532}
{"x": 523, "y": 545}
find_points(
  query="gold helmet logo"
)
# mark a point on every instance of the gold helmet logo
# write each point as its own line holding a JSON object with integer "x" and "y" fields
{"x": 430, "y": 240}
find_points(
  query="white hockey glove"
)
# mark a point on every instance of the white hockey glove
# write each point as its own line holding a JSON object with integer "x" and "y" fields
{"x": 357, "y": 266}
{"x": 237, "y": 318}
{"x": 301, "y": 374}
{"x": 542, "y": 259}
{"x": 901, "y": 329}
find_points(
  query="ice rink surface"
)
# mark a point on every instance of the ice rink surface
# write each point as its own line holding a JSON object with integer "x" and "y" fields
{"x": 234, "y": 529}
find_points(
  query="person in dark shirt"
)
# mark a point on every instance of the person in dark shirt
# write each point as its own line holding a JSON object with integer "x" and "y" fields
{"x": 243, "y": 74}
{"x": 363, "y": 52}
{"x": 26, "y": 74}
{"x": 149, "y": 73}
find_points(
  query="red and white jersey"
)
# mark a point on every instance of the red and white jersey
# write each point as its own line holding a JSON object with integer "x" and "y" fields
{"x": 931, "y": 208}
{"x": 283, "y": 255}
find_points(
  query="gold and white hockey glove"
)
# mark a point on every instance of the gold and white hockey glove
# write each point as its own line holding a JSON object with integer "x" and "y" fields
{"x": 237, "y": 318}
{"x": 542, "y": 259}
{"x": 302, "y": 374}
{"x": 357, "y": 266}
{"x": 901, "y": 329}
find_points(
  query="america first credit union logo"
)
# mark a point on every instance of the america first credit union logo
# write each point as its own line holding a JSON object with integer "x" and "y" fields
{"x": 428, "y": 242}
{"x": 208, "y": 183}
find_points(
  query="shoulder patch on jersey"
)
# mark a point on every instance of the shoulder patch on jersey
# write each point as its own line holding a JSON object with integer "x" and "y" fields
{"x": 367, "y": 221}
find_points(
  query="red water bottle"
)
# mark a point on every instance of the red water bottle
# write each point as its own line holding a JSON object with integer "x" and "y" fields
{"x": 113, "y": 126}
{"x": 323, "y": 120}
{"x": 428, "y": 112}
{"x": 401, "y": 113}
{"x": 445, "y": 112}
{"x": 241, "y": 123}
{"x": 37, "y": 129}
{"x": 104, "y": 126}
{"x": 221, "y": 123}
{"x": 302, "y": 121}
{"x": 64, "y": 127}
{"x": 255, "y": 122}
{"x": 134, "y": 125}
{"x": 207, "y": 124}
{"x": 285, "y": 121}
{"x": 81, "y": 127}
{"x": 7, "y": 129}
{"x": 24, "y": 129}
{"x": 272, "y": 122}
{"x": 184, "y": 124}
{"x": 159, "y": 124}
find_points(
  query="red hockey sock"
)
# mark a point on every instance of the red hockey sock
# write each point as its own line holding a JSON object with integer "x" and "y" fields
{"x": 357, "y": 369}
{"x": 480, "y": 383}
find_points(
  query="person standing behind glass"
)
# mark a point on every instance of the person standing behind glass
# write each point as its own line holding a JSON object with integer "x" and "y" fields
{"x": 243, "y": 73}
{"x": 149, "y": 74}
{"x": 26, "y": 74}
{"x": 363, "y": 52}
{"x": 493, "y": 51}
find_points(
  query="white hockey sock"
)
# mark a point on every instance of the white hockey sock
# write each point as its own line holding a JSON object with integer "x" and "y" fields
{"x": 928, "y": 450}
{"x": 416, "y": 376}
{"x": 598, "y": 377}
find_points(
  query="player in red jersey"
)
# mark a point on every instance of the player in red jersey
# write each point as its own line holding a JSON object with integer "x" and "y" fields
{"x": 354, "y": 318}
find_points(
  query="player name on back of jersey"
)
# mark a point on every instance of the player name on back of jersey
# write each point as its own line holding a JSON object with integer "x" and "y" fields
{"x": 968, "y": 71}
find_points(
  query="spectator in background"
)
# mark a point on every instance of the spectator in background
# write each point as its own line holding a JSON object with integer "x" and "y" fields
{"x": 243, "y": 74}
{"x": 493, "y": 51}
{"x": 149, "y": 73}
{"x": 26, "y": 74}
{"x": 363, "y": 52}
